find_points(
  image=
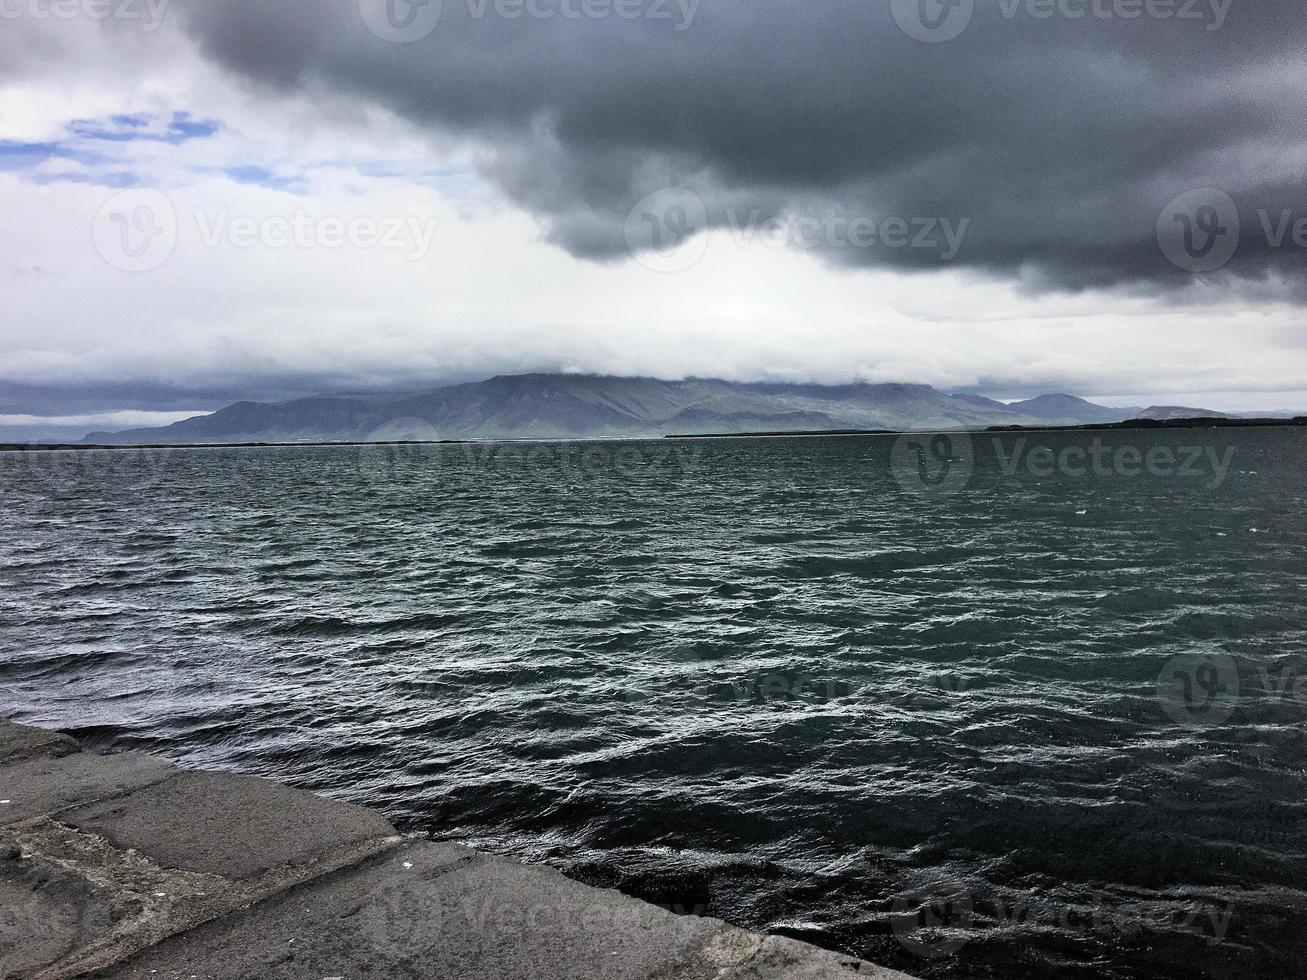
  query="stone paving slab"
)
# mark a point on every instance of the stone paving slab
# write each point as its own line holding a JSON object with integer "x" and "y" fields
{"x": 65, "y": 876}
{"x": 19, "y": 742}
{"x": 46, "y": 914}
{"x": 431, "y": 910}
{"x": 233, "y": 826}
{"x": 119, "y": 866}
{"x": 780, "y": 958}
{"x": 437, "y": 910}
{"x": 45, "y": 784}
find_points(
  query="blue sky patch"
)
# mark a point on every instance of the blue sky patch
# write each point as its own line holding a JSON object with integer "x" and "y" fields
{"x": 117, "y": 179}
{"x": 24, "y": 156}
{"x": 181, "y": 128}
{"x": 264, "y": 177}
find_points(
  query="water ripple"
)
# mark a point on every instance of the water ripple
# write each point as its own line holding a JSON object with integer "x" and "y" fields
{"x": 756, "y": 679}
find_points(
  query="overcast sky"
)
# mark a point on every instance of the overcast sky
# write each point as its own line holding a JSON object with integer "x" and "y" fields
{"x": 208, "y": 200}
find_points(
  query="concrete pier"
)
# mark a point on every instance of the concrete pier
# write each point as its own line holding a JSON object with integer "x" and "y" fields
{"x": 124, "y": 866}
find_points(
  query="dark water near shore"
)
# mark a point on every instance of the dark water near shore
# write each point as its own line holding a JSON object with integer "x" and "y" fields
{"x": 1039, "y": 715}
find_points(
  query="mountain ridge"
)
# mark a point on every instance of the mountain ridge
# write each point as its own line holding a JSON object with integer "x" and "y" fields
{"x": 580, "y": 406}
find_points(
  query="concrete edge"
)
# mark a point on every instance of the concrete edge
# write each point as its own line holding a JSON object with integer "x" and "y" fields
{"x": 167, "y": 902}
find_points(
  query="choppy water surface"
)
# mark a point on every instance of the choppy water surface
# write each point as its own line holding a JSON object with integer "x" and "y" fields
{"x": 1038, "y": 715}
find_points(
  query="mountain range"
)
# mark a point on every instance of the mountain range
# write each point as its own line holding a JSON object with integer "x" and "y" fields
{"x": 566, "y": 406}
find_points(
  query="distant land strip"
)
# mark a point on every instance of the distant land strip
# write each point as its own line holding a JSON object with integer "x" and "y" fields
{"x": 31, "y": 447}
{"x": 1196, "y": 423}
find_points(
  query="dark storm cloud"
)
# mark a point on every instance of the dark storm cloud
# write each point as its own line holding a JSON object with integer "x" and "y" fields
{"x": 1059, "y": 139}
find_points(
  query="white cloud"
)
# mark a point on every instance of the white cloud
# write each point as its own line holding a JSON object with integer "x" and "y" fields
{"x": 489, "y": 295}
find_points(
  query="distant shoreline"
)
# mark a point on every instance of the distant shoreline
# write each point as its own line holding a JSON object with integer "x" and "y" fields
{"x": 20, "y": 447}
{"x": 1197, "y": 423}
